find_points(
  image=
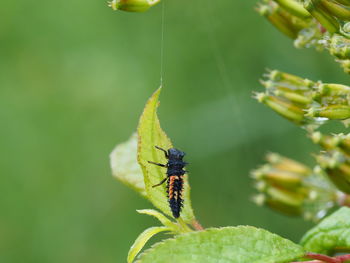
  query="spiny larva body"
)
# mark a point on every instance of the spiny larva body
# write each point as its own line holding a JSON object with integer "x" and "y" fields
{"x": 175, "y": 181}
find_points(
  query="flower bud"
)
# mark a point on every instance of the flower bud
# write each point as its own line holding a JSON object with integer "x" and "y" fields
{"x": 292, "y": 188}
{"x": 336, "y": 9}
{"x": 321, "y": 15}
{"x": 285, "y": 109}
{"x": 339, "y": 46}
{"x": 285, "y": 164}
{"x": 289, "y": 80}
{"x": 327, "y": 89}
{"x": 274, "y": 16}
{"x": 303, "y": 101}
{"x": 337, "y": 167}
{"x": 344, "y": 2}
{"x": 345, "y": 64}
{"x": 294, "y": 97}
{"x": 339, "y": 142}
{"x": 294, "y": 7}
{"x": 325, "y": 141}
{"x": 132, "y": 5}
{"x": 332, "y": 112}
{"x": 344, "y": 143}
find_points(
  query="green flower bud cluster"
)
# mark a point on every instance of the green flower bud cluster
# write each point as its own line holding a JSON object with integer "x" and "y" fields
{"x": 294, "y": 189}
{"x": 335, "y": 160}
{"x": 283, "y": 19}
{"x": 339, "y": 47}
{"x": 337, "y": 167}
{"x": 339, "y": 142}
{"x": 305, "y": 102}
{"x": 318, "y": 23}
{"x": 132, "y": 5}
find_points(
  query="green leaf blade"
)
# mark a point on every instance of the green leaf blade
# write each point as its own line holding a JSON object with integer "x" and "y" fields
{"x": 162, "y": 218}
{"x": 142, "y": 240}
{"x": 151, "y": 135}
{"x": 243, "y": 244}
{"x": 331, "y": 234}
{"x": 125, "y": 167}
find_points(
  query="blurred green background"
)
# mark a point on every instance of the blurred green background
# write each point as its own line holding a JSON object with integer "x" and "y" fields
{"x": 74, "y": 77}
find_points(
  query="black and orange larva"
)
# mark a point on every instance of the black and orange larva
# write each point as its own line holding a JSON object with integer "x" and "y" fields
{"x": 175, "y": 180}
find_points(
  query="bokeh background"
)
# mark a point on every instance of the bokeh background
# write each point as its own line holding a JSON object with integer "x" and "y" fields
{"x": 74, "y": 77}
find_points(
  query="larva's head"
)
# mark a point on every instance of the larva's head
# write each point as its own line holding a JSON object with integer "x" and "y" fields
{"x": 175, "y": 154}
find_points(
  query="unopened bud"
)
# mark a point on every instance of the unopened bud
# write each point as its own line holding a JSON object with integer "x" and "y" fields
{"x": 279, "y": 18}
{"x": 298, "y": 83}
{"x": 325, "y": 141}
{"x": 285, "y": 109}
{"x": 292, "y": 188}
{"x": 328, "y": 89}
{"x": 344, "y": 143}
{"x": 294, "y": 8}
{"x": 132, "y": 5}
{"x": 294, "y": 97}
{"x": 318, "y": 12}
{"x": 345, "y": 64}
{"x": 337, "y": 167}
{"x": 336, "y": 9}
{"x": 344, "y": 2}
{"x": 339, "y": 46}
{"x": 332, "y": 112}
{"x": 287, "y": 201}
{"x": 286, "y": 164}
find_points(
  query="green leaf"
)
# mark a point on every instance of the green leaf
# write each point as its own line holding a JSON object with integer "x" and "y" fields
{"x": 151, "y": 135}
{"x": 125, "y": 167}
{"x": 142, "y": 240}
{"x": 162, "y": 218}
{"x": 331, "y": 234}
{"x": 225, "y": 245}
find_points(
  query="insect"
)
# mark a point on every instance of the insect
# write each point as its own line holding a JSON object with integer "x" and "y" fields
{"x": 175, "y": 181}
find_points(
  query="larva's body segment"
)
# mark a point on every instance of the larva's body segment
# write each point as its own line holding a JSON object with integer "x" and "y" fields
{"x": 175, "y": 178}
{"x": 175, "y": 188}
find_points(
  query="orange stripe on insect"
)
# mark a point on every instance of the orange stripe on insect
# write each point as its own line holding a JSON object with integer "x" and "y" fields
{"x": 171, "y": 186}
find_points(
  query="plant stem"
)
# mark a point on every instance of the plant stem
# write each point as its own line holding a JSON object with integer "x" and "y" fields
{"x": 183, "y": 225}
{"x": 345, "y": 200}
{"x": 311, "y": 261}
{"x": 197, "y": 225}
{"x": 319, "y": 258}
{"x": 343, "y": 258}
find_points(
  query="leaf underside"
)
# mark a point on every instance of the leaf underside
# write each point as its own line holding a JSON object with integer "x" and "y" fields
{"x": 332, "y": 234}
{"x": 242, "y": 244}
{"x": 125, "y": 167}
{"x": 150, "y": 135}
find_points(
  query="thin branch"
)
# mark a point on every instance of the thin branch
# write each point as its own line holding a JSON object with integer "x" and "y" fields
{"x": 197, "y": 225}
{"x": 323, "y": 258}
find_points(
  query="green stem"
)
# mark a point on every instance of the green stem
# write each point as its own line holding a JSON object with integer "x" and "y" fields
{"x": 184, "y": 227}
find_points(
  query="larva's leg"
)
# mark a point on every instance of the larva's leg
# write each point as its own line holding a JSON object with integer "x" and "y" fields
{"x": 159, "y": 164}
{"x": 165, "y": 152}
{"x": 160, "y": 182}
